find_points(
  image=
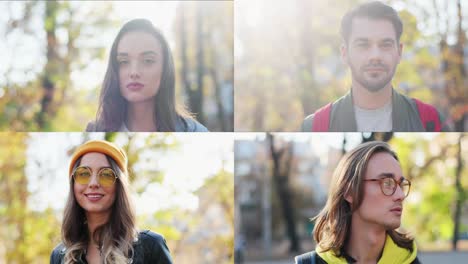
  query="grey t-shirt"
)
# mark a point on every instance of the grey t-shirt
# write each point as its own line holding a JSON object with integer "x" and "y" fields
{"x": 379, "y": 120}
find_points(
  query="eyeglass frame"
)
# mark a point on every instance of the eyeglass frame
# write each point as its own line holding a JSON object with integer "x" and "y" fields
{"x": 98, "y": 177}
{"x": 397, "y": 183}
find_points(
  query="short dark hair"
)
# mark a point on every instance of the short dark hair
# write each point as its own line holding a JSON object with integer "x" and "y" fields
{"x": 373, "y": 10}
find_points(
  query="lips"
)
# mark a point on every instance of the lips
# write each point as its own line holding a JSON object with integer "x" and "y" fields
{"x": 94, "y": 197}
{"x": 396, "y": 210}
{"x": 135, "y": 86}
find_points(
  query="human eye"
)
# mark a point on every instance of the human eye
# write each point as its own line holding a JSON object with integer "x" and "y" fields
{"x": 149, "y": 61}
{"x": 122, "y": 62}
{"x": 387, "y": 45}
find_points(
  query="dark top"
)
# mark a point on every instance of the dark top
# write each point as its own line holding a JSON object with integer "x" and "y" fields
{"x": 182, "y": 125}
{"x": 149, "y": 248}
{"x": 405, "y": 116}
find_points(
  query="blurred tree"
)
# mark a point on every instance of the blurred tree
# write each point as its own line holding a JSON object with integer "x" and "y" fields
{"x": 434, "y": 168}
{"x": 281, "y": 170}
{"x": 205, "y": 49}
{"x": 68, "y": 28}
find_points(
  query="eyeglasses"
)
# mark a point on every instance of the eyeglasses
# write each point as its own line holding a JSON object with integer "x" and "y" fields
{"x": 106, "y": 176}
{"x": 388, "y": 185}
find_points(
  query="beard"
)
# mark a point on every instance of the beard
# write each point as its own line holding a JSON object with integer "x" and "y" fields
{"x": 376, "y": 81}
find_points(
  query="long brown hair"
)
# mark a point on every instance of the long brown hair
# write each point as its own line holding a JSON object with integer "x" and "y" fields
{"x": 333, "y": 223}
{"x": 113, "y": 106}
{"x": 115, "y": 237}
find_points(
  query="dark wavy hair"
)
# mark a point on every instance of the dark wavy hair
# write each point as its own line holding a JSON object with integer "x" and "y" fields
{"x": 373, "y": 10}
{"x": 333, "y": 223}
{"x": 112, "y": 109}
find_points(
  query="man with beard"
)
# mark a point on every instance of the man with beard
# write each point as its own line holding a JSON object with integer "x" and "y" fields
{"x": 360, "y": 219}
{"x": 371, "y": 33}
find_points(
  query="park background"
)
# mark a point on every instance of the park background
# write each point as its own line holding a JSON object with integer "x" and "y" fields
{"x": 54, "y": 57}
{"x": 182, "y": 187}
{"x": 281, "y": 182}
{"x": 288, "y": 65}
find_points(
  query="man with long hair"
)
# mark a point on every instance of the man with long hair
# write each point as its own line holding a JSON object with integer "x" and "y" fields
{"x": 363, "y": 212}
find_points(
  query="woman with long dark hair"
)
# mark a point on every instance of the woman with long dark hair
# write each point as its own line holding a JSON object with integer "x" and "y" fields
{"x": 138, "y": 92}
{"x": 99, "y": 220}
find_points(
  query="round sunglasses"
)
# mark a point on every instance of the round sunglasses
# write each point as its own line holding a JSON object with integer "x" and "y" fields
{"x": 83, "y": 174}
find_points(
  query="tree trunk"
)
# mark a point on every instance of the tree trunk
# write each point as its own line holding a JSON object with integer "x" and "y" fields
{"x": 460, "y": 198}
{"x": 281, "y": 180}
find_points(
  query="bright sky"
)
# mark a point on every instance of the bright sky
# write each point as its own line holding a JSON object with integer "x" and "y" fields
{"x": 185, "y": 169}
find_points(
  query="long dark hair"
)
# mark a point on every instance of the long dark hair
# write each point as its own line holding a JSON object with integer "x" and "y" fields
{"x": 115, "y": 237}
{"x": 113, "y": 106}
{"x": 333, "y": 223}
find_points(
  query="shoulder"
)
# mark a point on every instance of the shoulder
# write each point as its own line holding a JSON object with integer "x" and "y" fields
{"x": 308, "y": 123}
{"x": 148, "y": 236}
{"x": 310, "y": 257}
{"x": 57, "y": 254}
{"x": 154, "y": 248}
{"x": 187, "y": 124}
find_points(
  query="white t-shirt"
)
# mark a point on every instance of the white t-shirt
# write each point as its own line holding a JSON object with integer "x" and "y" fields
{"x": 376, "y": 120}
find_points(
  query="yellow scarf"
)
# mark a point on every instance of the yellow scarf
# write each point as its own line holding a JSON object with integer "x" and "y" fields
{"x": 392, "y": 254}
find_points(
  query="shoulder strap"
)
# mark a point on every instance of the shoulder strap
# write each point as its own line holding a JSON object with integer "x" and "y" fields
{"x": 306, "y": 258}
{"x": 322, "y": 119}
{"x": 429, "y": 116}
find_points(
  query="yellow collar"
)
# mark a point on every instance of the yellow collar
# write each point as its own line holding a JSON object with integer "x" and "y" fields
{"x": 392, "y": 254}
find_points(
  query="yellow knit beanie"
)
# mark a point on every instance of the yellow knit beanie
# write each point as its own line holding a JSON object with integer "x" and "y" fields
{"x": 101, "y": 146}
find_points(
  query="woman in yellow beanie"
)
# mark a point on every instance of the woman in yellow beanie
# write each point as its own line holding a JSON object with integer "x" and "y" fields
{"x": 99, "y": 220}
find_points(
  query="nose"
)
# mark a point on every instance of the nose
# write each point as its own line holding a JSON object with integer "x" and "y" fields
{"x": 374, "y": 53}
{"x": 134, "y": 71}
{"x": 94, "y": 182}
{"x": 399, "y": 195}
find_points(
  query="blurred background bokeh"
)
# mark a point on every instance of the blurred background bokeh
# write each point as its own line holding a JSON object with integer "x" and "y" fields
{"x": 282, "y": 179}
{"x": 182, "y": 186}
{"x": 54, "y": 57}
{"x": 288, "y": 65}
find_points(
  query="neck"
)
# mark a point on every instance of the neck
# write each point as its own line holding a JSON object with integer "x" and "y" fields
{"x": 95, "y": 220}
{"x": 366, "y": 242}
{"x": 140, "y": 116}
{"x": 366, "y": 99}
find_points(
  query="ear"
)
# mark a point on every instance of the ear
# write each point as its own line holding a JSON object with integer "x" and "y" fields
{"x": 344, "y": 53}
{"x": 400, "y": 52}
{"x": 349, "y": 198}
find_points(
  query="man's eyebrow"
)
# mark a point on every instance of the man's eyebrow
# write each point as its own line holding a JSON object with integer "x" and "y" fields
{"x": 390, "y": 175}
{"x": 388, "y": 40}
{"x": 386, "y": 175}
{"x": 361, "y": 40}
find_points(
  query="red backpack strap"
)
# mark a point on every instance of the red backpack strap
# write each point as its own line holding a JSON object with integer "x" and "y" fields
{"x": 429, "y": 116}
{"x": 322, "y": 119}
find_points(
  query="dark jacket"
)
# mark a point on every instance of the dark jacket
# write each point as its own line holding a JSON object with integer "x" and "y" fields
{"x": 405, "y": 116}
{"x": 183, "y": 125}
{"x": 313, "y": 258}
{"x": 149, "y": 248}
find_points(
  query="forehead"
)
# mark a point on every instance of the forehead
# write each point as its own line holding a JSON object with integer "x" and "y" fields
{"x": 371, "y": 29}
{"x": 383, "y": 162}
{"x": 94, "y": 160}
{"x": 137, "y": 42}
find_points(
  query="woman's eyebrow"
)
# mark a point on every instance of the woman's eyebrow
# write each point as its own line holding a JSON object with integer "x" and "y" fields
{"x": 149, "y": 52}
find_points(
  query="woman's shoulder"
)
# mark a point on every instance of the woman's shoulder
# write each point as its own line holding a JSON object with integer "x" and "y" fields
{"x": 57, "y": 254}
{"x": 187, "y": 124}
{"x": 153, "y": 247}
{"x": 151, "y": 236}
